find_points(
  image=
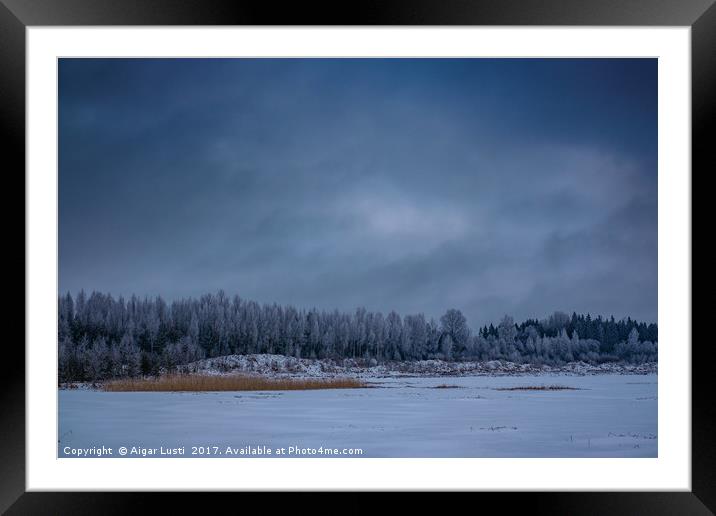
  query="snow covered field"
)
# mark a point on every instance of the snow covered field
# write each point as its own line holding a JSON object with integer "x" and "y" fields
{"x": 609, "y": 415}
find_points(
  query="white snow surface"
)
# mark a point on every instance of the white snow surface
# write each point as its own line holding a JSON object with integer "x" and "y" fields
{"x": 608, "y": 415}
{"x": 279, "y": 365}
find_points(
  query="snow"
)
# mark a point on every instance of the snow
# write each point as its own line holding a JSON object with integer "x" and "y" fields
{"x": 611, "y": 415}
{"x": 279, "y": 365}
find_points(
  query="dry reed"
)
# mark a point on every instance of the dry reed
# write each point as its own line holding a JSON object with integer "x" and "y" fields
{"x": 538, "y": 388}
{"x": 198, "y": 382}
{"x": 446, "y": 386}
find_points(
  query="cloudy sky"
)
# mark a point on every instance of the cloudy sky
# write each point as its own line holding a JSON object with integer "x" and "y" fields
{"x": 496, "y": 186}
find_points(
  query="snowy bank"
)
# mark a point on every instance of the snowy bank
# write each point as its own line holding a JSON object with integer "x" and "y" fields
{"x": 279, "y": 365}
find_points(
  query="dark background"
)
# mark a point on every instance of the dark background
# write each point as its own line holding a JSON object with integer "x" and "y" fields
{"x": 16, "y": 14}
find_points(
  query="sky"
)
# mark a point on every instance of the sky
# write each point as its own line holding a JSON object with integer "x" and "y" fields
{"x": 495, "y": 186}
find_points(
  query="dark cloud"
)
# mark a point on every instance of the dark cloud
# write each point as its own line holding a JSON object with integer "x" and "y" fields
{"x": 495, "y": 186}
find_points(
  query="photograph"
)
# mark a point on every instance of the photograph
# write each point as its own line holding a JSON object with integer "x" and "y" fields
{"x": 384, "y": 257}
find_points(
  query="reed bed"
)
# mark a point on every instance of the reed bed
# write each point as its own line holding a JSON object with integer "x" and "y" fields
{"x": 538, "y": 388}
{"x": 204, "y": 383}
{"x": 446, "y": 386}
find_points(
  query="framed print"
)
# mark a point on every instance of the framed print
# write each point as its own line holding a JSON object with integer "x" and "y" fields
{"x": 434, "y": 250}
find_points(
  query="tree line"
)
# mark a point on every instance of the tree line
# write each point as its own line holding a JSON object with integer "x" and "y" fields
{"x": 101, "y": 337}
{"x": 609, "y": 332}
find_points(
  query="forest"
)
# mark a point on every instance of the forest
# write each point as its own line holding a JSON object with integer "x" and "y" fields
{"x": 100, "y": 337}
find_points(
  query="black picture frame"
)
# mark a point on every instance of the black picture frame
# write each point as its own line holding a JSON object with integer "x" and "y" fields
{"x": 17, "y": 15}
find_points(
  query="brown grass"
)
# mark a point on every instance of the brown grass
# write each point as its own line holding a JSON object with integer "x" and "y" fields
{"x": 538, "y": 388}
{"x": 202, "y": 383}
{"x": 446, "y": 386}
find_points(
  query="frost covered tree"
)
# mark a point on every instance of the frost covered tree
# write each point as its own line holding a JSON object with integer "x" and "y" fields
{"x": 446, "y": 346}
{"x": 130, "y": 356}
{"x": 416, "y": 330}
{"x": 103, "y": 337}
{"x": 97, "y": 360}
{"x": 454, "y": 324}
